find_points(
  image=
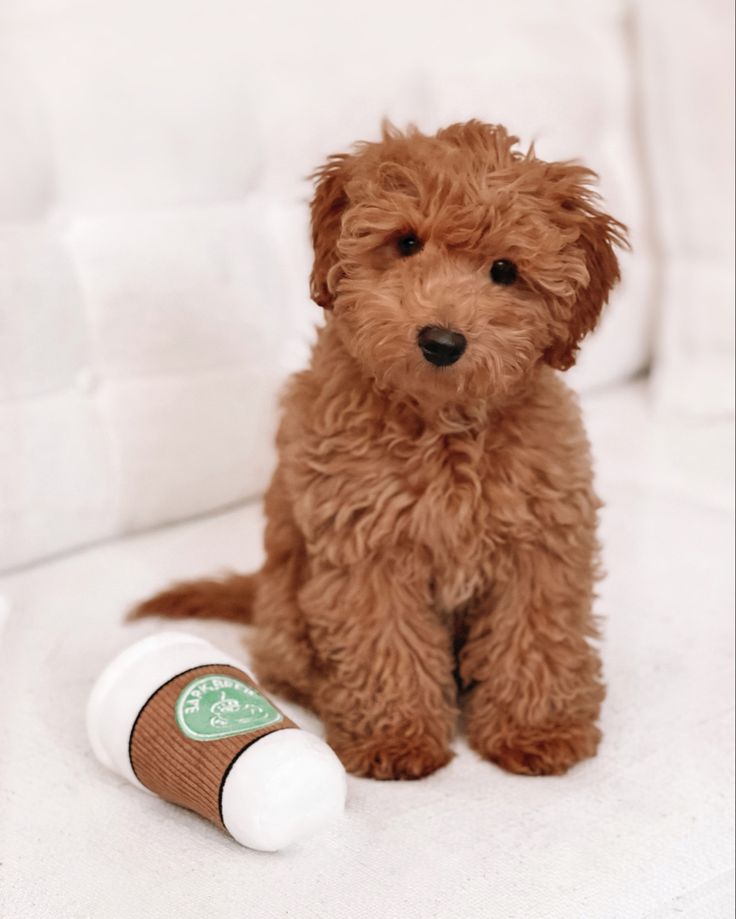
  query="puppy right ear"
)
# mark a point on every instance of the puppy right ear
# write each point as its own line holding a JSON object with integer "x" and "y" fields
{"x": 327, "y": 207}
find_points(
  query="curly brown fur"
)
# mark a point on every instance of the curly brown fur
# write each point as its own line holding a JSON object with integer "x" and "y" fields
{"x": 431, "y": 533}
{"x": 228, "y": 597}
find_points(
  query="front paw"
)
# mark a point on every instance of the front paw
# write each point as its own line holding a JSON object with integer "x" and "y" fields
{"x": 536, "y": 750}
{"x": 393, "y": 757}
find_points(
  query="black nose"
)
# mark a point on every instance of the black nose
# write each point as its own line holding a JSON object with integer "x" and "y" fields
{"x": 441, "y": 347}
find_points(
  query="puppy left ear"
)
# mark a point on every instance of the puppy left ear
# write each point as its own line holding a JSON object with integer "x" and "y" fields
{"x": 327, "y": 207}
{"x": 598, "y": 236}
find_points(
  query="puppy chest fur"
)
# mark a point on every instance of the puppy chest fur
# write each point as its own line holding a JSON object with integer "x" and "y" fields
{"x": 371, "y": 478}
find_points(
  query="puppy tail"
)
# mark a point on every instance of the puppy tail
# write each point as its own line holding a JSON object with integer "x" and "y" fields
{"x": 229, "y": 597}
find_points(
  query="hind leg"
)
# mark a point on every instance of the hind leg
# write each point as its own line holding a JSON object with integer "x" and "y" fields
{"x": 280, "y": 648}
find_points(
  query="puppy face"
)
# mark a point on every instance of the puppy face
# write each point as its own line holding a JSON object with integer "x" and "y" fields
{"x": 452, "y": 265}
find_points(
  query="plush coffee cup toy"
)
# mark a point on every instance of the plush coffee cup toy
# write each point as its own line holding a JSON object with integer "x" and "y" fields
{"x": 181, "y": 719}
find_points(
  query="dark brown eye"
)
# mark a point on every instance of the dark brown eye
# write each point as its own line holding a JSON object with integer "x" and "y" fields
{"x": 503, "y": 272}
{"x": 408, "y": 244}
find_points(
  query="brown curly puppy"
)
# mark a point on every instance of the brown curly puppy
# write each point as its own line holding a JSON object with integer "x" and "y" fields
{"x": 431, "y": 523}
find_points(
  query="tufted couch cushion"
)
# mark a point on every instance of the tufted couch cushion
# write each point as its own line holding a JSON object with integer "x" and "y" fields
{"x": 153, "y": 238}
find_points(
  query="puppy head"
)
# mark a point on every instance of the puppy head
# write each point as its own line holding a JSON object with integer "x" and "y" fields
{"x": 453, "y": 265}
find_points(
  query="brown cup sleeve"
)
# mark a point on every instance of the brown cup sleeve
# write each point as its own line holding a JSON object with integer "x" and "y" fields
{"x": 192, "y": 729}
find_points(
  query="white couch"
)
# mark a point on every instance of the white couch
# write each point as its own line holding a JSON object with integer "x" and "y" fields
{"x": 153, "y": 240}
{"x": 153, "y": 265}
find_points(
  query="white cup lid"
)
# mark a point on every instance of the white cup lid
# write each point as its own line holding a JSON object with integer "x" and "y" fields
{"x": 129, "y": 681}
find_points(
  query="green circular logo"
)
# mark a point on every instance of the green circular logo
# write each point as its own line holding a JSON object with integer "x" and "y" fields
{"x": 216, "y": 705}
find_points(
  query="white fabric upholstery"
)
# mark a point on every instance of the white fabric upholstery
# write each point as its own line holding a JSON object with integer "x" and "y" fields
{"x": 644, "y": 831}
{"x": 153, "y": 243}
